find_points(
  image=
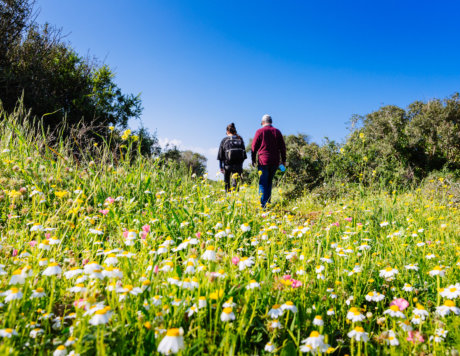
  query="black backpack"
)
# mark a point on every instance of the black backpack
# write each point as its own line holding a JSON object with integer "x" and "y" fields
{"x": 234, "y": 151}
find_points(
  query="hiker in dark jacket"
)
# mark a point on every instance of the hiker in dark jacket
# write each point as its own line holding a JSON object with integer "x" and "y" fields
{"x": 269, "y": 146}
{"x": 231, "y": 156}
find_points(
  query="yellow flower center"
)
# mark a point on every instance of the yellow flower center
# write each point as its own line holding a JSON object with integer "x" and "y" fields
{"x": 173, "y": 332}
{"x": 359, "y": 329}
{"x": 227, "y": 310}
{"x": 449, "y": 303}
{"x": 394, "y": 308}
{"x": 314, "y": 334}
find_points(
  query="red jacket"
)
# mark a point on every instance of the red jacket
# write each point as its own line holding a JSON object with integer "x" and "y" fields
{"x": 269, "y": 144}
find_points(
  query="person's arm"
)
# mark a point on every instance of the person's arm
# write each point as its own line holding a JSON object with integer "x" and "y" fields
{"x": 255, "y": 147}
{"x": 244, "y": 149}
{"x": 221, "y": 155}
{"x": 282, "y": 147}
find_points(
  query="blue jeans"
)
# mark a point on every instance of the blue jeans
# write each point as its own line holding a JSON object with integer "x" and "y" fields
{"x": 265, "y": 183}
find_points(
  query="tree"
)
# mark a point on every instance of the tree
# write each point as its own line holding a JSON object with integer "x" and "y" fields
{"x": 194, "y": 161}
{"x": 58, "y": 85}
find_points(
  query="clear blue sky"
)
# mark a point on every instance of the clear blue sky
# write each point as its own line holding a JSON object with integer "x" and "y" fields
{"x": 200, "y": 65}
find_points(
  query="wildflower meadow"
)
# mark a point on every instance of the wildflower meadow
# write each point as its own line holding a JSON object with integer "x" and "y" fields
{"x": 129, "y": 256}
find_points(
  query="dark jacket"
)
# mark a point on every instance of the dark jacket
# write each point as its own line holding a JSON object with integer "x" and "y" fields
{"x": 269, "y": 144}
{"x": 223, "y": 163}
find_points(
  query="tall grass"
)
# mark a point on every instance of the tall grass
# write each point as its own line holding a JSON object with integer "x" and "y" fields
{"x": 323, "y": 257}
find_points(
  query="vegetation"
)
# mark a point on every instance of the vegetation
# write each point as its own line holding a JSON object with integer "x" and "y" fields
{"x": 388, "y": 147}
{"x": 54, "y": 81}
{"x": 132, "y": 256}
{"x": 67, "y": 94}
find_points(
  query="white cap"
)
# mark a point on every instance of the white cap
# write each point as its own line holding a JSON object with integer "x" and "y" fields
{"x": 267, "y": 119}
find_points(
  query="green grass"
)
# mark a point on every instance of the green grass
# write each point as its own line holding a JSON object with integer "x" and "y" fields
{"x": 68, "y": 199}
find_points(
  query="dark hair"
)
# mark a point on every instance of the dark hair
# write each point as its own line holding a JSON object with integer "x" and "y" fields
{"x": 231, "y": 128}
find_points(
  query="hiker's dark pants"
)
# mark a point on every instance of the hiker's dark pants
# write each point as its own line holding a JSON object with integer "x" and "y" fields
{"x": 228, "y": 173}
{"x": 265, "y": 183}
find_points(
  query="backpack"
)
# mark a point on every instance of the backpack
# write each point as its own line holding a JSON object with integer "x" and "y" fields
{"x": 234, "y": 151}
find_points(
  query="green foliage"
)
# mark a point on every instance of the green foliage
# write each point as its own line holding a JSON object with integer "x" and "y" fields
{"x": 388, "y": 147}
{"x": 58, "y": 85}
{"x": 191, "y": 161}
{"x": 325, "y": 259}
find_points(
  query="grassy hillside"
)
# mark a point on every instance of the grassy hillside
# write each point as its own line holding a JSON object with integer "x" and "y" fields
{"x": 131, "y": 257}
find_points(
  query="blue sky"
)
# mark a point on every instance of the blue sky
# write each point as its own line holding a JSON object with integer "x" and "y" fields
{"x": 200, "y": 65}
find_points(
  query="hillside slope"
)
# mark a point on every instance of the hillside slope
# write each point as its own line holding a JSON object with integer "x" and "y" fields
{"x": 133, "y": 256}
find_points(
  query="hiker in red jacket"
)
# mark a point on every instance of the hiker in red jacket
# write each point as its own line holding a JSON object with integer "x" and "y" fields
{"x": 269, "y": 145}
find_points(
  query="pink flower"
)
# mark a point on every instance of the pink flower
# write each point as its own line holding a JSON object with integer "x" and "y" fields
{"x": 47, "y": 235}
{"x": 198, "y": 235}
{"x": 156, "y": 269}
{"x": 80, "y": 303}
{"x": 15, "y": 252}
{"x": 295, "y": 283}
{"x": 336, "y": 224}
{"x": 415, "y": 336}
{"x": 85, "y": 261}
{"x": 143, "y": 235}
{"x": 104, "y": 211}
{"x": 401, "y": 303}
{"x": 359, "y": 224}
{"x": 287, "y": 276}
{"x": 32, "y": 243}
{"x": 109, "y": 200}
{"x": 125, "y": 233}
{"x": 235, "y": 260}
{"x": 348, "y": 219}
{"x": 146, "y": 228}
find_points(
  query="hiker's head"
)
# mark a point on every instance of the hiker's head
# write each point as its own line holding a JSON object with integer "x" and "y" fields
{"x": 231, "y": 129}
{"x": 266, "y": 120}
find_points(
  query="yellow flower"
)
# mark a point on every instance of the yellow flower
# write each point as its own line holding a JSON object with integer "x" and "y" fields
{"x": 61, "y": 194}
{"x": 111, "y": 128}
{"x": 126, "y": 134}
